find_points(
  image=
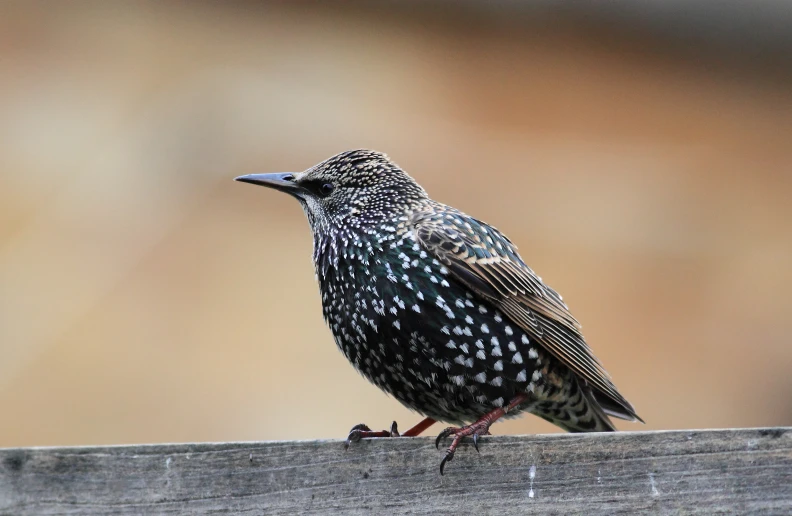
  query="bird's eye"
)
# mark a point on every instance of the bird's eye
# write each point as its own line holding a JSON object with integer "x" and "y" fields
{"x": 326, "y": 189}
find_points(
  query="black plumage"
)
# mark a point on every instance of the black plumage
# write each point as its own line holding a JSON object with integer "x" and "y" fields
{"x": 437, "y": 309}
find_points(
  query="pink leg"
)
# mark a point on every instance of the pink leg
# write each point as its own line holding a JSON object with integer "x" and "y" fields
{"x": 480, "y": 427}
{"x": 362, "y": 431}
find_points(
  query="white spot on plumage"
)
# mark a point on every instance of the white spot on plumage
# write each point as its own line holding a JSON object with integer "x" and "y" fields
{"x": 508, "y": 330}
{"x": 481, "y": 377}
{"x": 484, "y": 328}
{"x": 517, "y": 358}
{"x": 522, "y": 376}
{"x": 532, "y": 354}
{"x": 480, "y": 354}
{"x": 498, "y": 365}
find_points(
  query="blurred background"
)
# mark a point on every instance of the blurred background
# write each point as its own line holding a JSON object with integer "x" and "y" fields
{"x": 640, "y": 155}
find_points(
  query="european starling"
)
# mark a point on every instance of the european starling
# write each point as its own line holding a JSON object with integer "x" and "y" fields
{"x": 437, "y": 308}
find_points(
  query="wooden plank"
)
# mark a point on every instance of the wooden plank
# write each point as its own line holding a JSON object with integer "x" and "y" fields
{"x": 697, "y": 472}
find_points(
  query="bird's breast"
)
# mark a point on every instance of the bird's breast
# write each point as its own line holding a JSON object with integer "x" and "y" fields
{"x": 403, "y": 321}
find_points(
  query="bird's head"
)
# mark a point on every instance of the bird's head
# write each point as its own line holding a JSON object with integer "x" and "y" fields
{"x": 354, "y": 189}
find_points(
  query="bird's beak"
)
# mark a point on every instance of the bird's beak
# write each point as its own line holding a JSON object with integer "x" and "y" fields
{"x": 283, "y": 181}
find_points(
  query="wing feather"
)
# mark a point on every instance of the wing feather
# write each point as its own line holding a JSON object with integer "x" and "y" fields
{"x": 484, "y": 260}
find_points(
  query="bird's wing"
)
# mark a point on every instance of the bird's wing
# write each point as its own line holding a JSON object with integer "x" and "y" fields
{"x": 487, "y": 262}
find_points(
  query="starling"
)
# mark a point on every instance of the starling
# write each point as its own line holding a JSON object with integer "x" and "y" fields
{"x": 439, "y": 310}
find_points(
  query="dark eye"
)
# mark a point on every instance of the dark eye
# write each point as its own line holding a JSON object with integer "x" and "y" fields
{"x": 326, "y": 189}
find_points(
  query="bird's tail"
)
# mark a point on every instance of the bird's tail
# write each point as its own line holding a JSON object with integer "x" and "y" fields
{"x": 580, "y": 413}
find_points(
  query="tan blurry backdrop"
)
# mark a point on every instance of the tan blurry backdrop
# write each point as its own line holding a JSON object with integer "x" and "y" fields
{"x": 146, "y": 297}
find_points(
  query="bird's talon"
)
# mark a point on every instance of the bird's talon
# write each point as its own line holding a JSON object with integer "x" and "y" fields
{"x": 355, "y": 434}
{"x": 445, "y": 433}
{"x": 394, "y": 430}
{"x": 353, "y": 437}
{"x": 449, "y": 456}
{"x": 475, "y": 442}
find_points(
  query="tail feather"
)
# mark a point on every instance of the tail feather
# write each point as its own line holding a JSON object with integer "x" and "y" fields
{"x": 581, "y": 412}
{"x": 614, "y": 409}
{"x": 597, "y": 411}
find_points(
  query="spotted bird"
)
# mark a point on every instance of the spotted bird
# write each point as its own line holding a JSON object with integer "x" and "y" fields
{"x": 438, "y": 309}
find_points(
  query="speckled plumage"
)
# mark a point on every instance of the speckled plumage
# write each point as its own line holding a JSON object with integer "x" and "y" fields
{"x": 437, "y": 308}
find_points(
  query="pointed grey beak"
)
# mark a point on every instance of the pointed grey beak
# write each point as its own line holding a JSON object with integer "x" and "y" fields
{"x": 283, "y": 181}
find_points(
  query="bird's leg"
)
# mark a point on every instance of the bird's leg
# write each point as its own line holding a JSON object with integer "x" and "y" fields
{"x": 480, "y": 427}
{"x": 419, "y": 428}
{"x": 362, "y": 431}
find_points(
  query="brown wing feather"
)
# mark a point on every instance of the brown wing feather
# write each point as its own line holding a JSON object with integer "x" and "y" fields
{"x": 483, "y": 259}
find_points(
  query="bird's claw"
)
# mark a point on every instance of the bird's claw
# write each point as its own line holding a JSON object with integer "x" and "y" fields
{"x": 362, "y": 431}
{"x": 445, "y": 433}
{"x": 476, "y": 430}
{"x": 355, "y": 434}
{"x": 449, "y": 456}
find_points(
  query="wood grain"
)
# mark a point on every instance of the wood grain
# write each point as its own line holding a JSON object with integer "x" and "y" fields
{"x": 693, "y": 472}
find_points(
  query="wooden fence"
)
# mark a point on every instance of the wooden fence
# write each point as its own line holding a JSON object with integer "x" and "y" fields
{"x": 692, "y": 471}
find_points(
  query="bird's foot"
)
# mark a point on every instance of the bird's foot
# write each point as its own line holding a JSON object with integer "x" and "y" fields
{"x": 477, "y": 429}
{"x": 362, "y": 431}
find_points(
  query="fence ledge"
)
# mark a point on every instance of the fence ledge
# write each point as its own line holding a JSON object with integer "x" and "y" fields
{"x": 737, "y": 471}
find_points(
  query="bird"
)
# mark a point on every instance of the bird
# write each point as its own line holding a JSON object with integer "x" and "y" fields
{"x": 439, "y": 310}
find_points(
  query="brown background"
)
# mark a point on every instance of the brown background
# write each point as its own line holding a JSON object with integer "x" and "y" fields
{"x": 146, "y": 297}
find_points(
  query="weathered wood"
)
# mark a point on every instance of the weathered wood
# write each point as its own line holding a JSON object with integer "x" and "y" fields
{"x": 708, "y": 472}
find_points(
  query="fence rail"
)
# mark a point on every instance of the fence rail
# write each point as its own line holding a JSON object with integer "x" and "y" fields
{"x": 697, "y": 471}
